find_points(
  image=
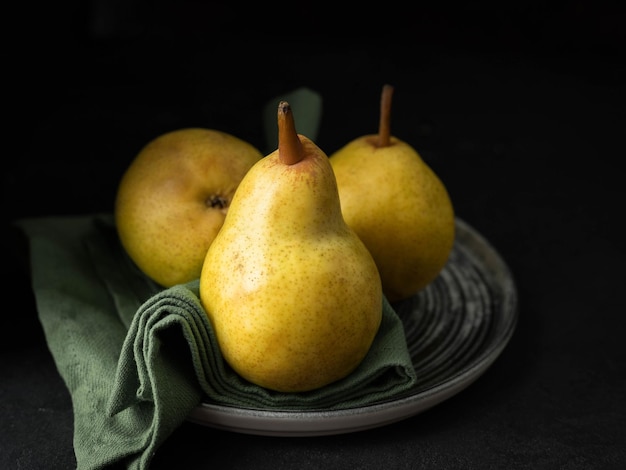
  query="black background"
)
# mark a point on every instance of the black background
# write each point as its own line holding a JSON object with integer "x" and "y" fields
{"x": 521, "y": 110}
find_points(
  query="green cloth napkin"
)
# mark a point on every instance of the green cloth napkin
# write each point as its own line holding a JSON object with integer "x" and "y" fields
{"x": 137, "y": 359}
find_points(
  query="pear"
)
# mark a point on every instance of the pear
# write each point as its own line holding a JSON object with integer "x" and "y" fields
{"x": 172, "y": 200}
{"x": 292, "y": 293}
{"x": 397, "y": 205}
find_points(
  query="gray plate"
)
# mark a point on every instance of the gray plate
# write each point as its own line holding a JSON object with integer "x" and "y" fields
{"x": 455, "y": 329}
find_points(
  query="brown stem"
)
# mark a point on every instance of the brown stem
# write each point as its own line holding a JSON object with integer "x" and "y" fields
{"x": 384, "y": 125}
{"x": 290, "y": 149}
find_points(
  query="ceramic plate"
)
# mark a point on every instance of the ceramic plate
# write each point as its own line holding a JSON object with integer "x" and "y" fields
{"x": 455, "y": 329}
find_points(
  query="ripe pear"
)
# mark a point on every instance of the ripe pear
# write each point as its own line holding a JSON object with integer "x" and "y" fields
{"x": 397, "y": 205}
{"x": 292, "y": 293}
{"x": 172, "y": 200}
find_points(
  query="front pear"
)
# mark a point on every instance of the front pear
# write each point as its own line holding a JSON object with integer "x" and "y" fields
{"x": 292, "y": 293}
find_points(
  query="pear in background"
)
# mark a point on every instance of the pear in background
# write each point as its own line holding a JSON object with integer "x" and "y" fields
{"x": 172, "y": 199}
{"x": 397, "y": 205}
{"x": 293, "y": 295}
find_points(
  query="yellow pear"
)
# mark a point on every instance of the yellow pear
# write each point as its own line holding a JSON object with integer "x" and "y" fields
{"x": 397, "y": 205}
{"x": 172, "y": 200}
{"x": 292, "y": 293}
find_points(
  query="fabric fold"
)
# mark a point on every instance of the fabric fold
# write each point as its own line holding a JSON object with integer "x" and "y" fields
{"x": 385, "y": 371}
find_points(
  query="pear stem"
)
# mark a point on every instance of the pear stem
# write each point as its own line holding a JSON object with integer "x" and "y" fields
{"x": 290, "y": 149}
{"x": 384, "y": 125}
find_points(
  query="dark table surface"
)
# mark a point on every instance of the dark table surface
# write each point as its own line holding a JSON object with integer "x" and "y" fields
{"x": 521, "y": 112}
